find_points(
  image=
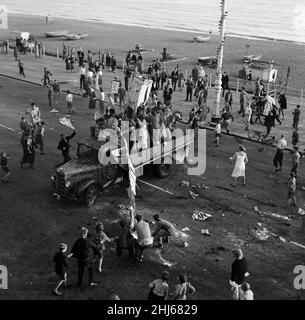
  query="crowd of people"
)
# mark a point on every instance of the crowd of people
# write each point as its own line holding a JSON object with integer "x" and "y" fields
{"x": 158, "y": 117}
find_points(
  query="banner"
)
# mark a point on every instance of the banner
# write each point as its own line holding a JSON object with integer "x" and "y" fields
{"x": 140, "y": 91}
{"x": 3, "y": 18}
{"x": 115, "y": 87}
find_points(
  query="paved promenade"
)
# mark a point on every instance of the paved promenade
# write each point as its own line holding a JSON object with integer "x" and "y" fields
{"x": 70, "y": 81}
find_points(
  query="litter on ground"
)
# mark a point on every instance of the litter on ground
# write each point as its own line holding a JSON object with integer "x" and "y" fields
{"x": 260, "y": 233}
{"x": 185, "y": 229}
{"x": 270, "y": 214}
{"x": 199, "y": 215}
{"x": 205, "y": 232}
{"x": 301, "y": 212}
{"x": 193, "y": 194}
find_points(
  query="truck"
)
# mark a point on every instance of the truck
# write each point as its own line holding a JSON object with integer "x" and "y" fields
{"x": 85, "y": 177}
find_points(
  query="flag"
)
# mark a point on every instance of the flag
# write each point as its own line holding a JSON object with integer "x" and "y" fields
{"x": 66, "y": 122}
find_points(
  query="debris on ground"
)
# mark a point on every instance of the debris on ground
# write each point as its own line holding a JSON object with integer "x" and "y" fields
{"x": 236, "y": 242}
{"x": 270, "y": 214}
{"x": 205, "y": 232}
{"x": 301, "y": 212}
{"x": 199, "y": 215}
{"x": 201, "y": 186}
{"x": 185, "y": 229}
{"x": 185, "y": 244}
{"x": 185, "y": 183}
{"x": 260, "y": 232}
{"x": 297, "y": 244}
{"x": 193, "y": 194}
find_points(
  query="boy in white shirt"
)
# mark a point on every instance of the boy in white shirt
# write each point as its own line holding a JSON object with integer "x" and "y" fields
{"x": 217, "y": 132}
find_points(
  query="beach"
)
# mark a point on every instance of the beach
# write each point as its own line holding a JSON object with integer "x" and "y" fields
{"x": 121, "y": 38}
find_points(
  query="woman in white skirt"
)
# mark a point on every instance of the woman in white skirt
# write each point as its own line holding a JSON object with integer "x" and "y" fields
{"x": 239, "y": 170}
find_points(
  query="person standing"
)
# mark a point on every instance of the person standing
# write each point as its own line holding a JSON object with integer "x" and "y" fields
{"x": 61, "y": 265}
{"x": 46, "y": 77}
{"x": 102, "y": 101}
{"x": 292, "y": 184}
{"x": 175, "y": 76}
{"x": 16, "y": 54}
{"x": 278, "y": 158}
{"x": 4, "y": 166}
{"x": 167, "y": 94}
{"x": 239, "y": 170}
{"x": 183, "y": 288}
{"x": 82, "y": 75}
{"x": 239, "y": 267}
{"x": 195, "y": 75}
{"x": 64, "y": 146}
{"x": 224, "y": 82}
{"x": 69, "y": 103}
{"x": 283, "y": 104}
{"x": 113, "y": 63}
{"x": 127, "y": 75}
{"x": 159, "y": 288}
{"x": 92, "y": 99}
{"x": 295, "y": 138}
{"x": 39, "y": 136}
{"x": 21, "y": 68}
{"x": 83, "y": 250}
{"x": 229, "y": 98}
{"x": 189, "y": 89}
{"x": 90, "y": 59}
{"x": 144, "y": 237}
{"x": 51, "y": 98}
{"x": 121, "y": 94}
{"x": 248, "y": 116}
{"x": 99, "y": 240}
{"x": 217, "y": 132}
{"x": 226, "y": 118}
{"x": 243, "y": 99}
{"x": 163, "y": 77}
{"x": 28, "y": 146}
{"x": 181, "y": 80}
{"x": 295, "y": 161}
{"x": 296, "y": 117}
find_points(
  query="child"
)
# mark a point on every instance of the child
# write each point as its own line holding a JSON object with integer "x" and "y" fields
{"x": 100, "y": 239}
{"x": 217, "y": 132}
{"x": 4, "y": 158}
{"x": 291, "y": 189}
{"x": 183, "y": 287}
{"x": 60, "y": 267}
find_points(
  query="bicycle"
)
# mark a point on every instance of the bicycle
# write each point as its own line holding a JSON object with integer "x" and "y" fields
{"x": 259, "y": 136}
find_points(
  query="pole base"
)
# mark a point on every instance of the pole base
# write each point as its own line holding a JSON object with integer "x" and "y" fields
{"x": 213, "y": 120}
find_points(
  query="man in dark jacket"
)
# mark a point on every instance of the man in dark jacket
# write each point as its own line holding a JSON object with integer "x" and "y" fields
{"x": 64, "y": 146}
{"x": 283, "y": 104}
{"x": 189, "y": 88}
{"x": 81, "y": 250}
{"x": 224, "y": 82}
{"x": 239, "y": 267}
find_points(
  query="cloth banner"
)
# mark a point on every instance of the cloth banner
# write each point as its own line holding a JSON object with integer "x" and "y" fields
{"x": 115, "y": 87}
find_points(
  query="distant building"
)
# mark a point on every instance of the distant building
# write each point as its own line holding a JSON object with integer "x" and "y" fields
{"x": 3, "y": 18}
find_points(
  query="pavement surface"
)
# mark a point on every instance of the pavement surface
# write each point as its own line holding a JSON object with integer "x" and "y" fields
{"x": 33, "y": 222}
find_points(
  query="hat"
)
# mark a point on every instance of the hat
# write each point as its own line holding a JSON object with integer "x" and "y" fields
{"x": 165, "y": 275}
{"x": 62, "y": 246}
{"x": 245, "y": 286}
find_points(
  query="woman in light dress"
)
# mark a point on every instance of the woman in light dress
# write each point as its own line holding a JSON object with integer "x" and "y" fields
{"x": 239, "y": 170}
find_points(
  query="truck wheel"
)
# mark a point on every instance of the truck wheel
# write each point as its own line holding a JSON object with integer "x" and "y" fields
{"x": 163, "y": 170}
{"x": 91, "y": 194}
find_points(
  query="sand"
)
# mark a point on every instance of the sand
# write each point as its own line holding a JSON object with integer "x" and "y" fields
{"x": 120, "y": 38}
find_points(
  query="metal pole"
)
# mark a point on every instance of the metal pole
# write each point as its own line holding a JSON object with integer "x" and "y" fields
{"x": 217, "y": 108}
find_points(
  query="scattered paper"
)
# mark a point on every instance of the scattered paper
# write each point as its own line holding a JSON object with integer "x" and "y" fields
{"x": 185, "y": 183}
{"x": 261, "y": 233}
{"x": 205, "y": 232}
{"x": 193, "y": 194}
{"x": 66, "y": 122}
{"x": 199, "y": 215}
{"x": 301, "y": 212}
{"x": 185, "y": 229}
{"x": 270, "y": 214}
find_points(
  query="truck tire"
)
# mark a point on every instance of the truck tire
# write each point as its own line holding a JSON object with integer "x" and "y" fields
{"x": 91, "y": 195}
{"x": 162, "y": 170}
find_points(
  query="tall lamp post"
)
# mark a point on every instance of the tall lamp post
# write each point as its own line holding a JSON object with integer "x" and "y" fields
{"x": 218, "y": 88}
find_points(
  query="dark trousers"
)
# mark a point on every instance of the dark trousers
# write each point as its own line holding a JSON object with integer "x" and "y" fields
{"x": 189, "y": 93}
{"x": 130, "y": 249}
{"x": 81, "y": 268}
{"x": 21, "y": 72}
{"x": 140, "y": 250}
{"x": 82, "y": 81}
{"x": 126, "y": 83}
{"x": 278, "y": 158}
{"x": 67, "y": 158}
{"x": 295, "y": 123}
{"x": 39, "y": 141}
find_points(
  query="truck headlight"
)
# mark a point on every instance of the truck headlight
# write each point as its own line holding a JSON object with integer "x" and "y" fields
{"x": 67, "y": 184}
